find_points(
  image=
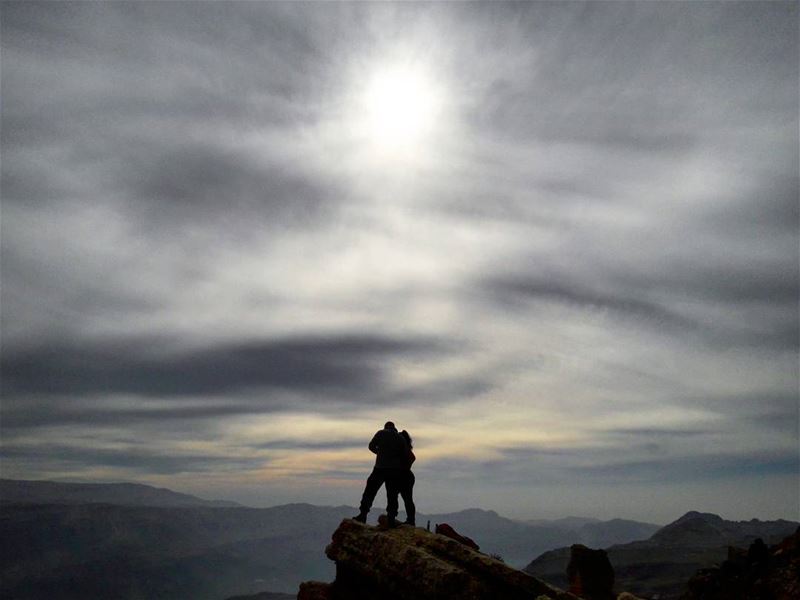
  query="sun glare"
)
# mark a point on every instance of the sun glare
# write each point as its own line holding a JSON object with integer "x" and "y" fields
{"x": 399, "y": 108}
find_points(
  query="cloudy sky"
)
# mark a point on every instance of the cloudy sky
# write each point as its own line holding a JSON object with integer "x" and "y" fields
{"x": 557, "y": 242}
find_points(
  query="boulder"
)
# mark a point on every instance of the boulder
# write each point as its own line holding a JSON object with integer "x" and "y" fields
{"x": 315, "y": 590}
{"x": 590, "y": 573}
{"x": 447, "y": 531}
{"x": 409, "y": 562}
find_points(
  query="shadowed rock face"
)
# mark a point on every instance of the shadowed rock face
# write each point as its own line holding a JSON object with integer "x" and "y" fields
{"x": 408, "y": 562}
{"x": 590, "y": 573}
{"x": 759, "y": 572}
{"x": 662, "y": 564}
{"x": 447, "y": 531}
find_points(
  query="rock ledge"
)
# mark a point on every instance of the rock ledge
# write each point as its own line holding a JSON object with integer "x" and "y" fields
{"x": 408, "y": 562}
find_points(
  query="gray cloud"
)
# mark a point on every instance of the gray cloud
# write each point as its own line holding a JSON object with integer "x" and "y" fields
{"x": 571, "y": 294}
{"x": 776, "y": 411}
{"x": 25, "y": 414}
{"x": 134, "y": 460}
{"x": 601, "y": 465}
{"x": 652, "y": 432}
{"x": 202, "y": 183}
{"x": 697, "y": 469}
{"x": 311, "y": 445}
{"x": 329, "y": 366}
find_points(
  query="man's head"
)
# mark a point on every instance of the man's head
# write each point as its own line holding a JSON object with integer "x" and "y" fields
{"x": 389, "y": 425}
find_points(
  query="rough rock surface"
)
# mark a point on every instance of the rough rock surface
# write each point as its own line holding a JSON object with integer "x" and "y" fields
{"x": 409, "y": 562}
{"x": 760, "y": 572}
{"x": 315, "y": 590}
{"x": 447, "y": 531}
{"x": 590, "y": 573}
{"x": 664, "y": 563}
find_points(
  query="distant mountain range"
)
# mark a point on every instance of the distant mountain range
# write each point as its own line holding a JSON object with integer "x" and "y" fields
{"x": 517, "y": 541}
{"x": 133, "y": 541}
{"x": 59, "y": 551}
{"x": 68, "y": 541}
{"x": 660, "y": 566}
{"x": 122, "y": 494}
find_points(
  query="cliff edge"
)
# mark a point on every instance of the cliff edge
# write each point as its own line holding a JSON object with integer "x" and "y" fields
{"x": 408, "y": 562}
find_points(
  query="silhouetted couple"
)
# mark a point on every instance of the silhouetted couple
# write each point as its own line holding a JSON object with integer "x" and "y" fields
{"x": 393, "y": 468}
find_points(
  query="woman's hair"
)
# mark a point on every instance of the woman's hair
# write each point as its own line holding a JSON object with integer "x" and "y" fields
{"x": 407, "y": 438}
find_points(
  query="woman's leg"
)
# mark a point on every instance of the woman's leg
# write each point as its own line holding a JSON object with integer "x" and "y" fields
{"x": 407, "y": 493}
{"x": 394, "y": 483}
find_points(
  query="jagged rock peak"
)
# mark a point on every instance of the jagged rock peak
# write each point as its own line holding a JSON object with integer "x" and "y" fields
{"x": 409, "y": 562}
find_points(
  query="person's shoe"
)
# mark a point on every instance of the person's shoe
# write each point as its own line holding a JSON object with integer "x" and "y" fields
{"x": 410, "y": 522}
{"x": 360, "y": 517}
{"x": 387, "y": 522}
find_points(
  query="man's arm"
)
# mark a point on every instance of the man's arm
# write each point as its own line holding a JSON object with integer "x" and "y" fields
{"x": 373, "y": 444}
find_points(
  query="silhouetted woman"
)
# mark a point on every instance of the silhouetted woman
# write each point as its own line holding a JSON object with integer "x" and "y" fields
{"x": 407, "y": 483}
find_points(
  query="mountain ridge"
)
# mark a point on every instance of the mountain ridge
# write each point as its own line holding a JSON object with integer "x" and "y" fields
{"x": 663, "y": 563}
{"x": 19, "y": 491}
{"x": 80, "y": 550}
{"x": 207, "y": 551}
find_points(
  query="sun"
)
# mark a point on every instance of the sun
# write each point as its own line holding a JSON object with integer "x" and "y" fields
{"x": 399, "y": 108}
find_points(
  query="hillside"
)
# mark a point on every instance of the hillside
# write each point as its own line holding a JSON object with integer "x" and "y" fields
{"x": 103, "y": 550}
{"x": 759, "y": 571}
{"x": 662, "y": 564}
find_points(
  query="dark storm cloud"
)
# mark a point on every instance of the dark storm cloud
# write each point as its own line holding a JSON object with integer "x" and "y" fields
{"x": 329, "y": 366}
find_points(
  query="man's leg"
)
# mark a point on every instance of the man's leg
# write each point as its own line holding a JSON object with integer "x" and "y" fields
{"x": 374, "y": 483}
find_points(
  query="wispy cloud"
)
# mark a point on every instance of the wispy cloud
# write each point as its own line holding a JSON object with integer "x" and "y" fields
{"x": 587, "y": 272}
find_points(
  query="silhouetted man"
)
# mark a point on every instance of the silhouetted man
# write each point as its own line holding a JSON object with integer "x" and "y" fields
{"x": 390, "y": 467}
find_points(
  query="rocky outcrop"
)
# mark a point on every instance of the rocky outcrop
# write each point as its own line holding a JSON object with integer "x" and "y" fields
{"x": 664, "y": 563}
{"x": 265, "y": 596}
{"x": 590, "y": 573}
{"x": 408, "y": 562}
{"x": 447, "y": 531}
{"x": 760, "y": 572}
